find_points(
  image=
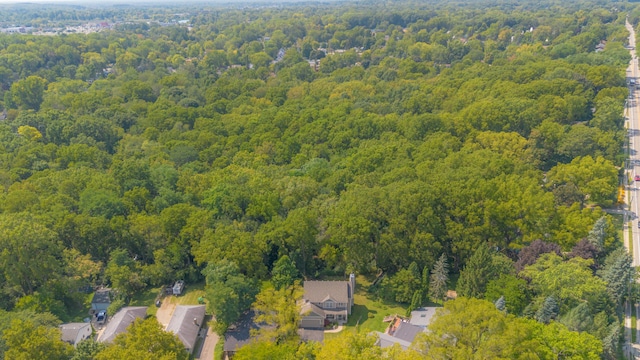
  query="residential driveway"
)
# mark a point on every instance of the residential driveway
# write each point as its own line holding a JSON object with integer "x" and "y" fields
{"x": 206, "y": 353}
{"x": 165, "y": 312}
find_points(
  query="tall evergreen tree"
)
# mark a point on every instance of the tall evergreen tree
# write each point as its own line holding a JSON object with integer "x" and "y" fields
{"x": 548, "y": 311}
{"x": 618, "y": 274}
{"x": 501, "y": 304}
{"x": 439, "y": 278}
{"x": 598, "y": 232}
{"x": 477, "y": 273}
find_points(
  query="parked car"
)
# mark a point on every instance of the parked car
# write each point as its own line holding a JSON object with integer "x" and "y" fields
{"x": 637, "y": 178}
{"x": 101, "y": 317}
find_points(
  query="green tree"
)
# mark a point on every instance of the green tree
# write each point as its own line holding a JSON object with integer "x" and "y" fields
{"x": 618, "y": 274}
{"x": 284, "y": 273}
{"x": 548, "y": 311}
{"x": 279, "y": 310}
{"x": 28, "y": 93}
{"x": 439, "y": 278}
{"x": 229, "y": 292}
{"x": 512, "y": 289}
{"x": 26, "y": 340}
{"x": 477, "y": 273}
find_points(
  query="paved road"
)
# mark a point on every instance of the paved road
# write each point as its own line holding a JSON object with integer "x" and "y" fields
{"x": 633, "y": 126}
{"x": 632, "y": 192}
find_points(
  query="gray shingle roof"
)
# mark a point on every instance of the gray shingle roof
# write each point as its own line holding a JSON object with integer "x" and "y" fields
{"x": 386, "y": 340}
{"x": 307, "y": 308}
{"x": 241, "y": 335}
{"x": 182, "y": 323}
{"x": 121, "y": 320}
{"x": 407, "y": 332}
{"x": 70, "y": 331}
{"x": 319, "y": 291}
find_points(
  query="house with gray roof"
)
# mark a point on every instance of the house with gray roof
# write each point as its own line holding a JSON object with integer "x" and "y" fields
{"x": 121, "y": 321}
{"x": 327, "y": 301}
{"x": 239, "y": 334}
{"x": 400, "y": 332}
{"x": 73, "y": 333}
{"x": 186, "y": 323}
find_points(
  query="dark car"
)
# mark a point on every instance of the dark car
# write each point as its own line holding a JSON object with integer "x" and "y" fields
{"x": 101, "y": 317}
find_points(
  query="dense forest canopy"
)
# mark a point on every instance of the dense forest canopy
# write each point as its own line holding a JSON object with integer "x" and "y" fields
{"x": 369, "y": 137}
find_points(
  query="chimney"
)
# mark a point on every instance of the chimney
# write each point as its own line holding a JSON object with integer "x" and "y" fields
{"x": 352, "y": 281}
{"x": 195, "y": 322}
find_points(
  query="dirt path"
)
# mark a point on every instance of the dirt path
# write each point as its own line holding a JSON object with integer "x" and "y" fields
{"x": 165, "y": 312}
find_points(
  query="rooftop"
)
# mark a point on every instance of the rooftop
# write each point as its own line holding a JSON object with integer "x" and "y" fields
{"x": 319, "y": 291}
{"x": 186, "y": 322}
{"x": 422, "y": 316}
{"x": 70, "y": 331}
{"x": 121, "y": 321}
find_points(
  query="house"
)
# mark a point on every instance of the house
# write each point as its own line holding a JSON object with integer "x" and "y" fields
{"x": 400, "y": 332}
{"x": 121, "y": 321}
{"x": 186, "y": 323}
{"x": 239, "y": 334}
{"x": 101, "y": 300}
{"x": 422, "y": 316}
{"x": 73, "y": 333}
{"x": 327, "y": 301}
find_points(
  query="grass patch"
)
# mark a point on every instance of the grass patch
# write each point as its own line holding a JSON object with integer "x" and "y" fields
{"x": 147, "y": 298}
{"x": 633, "y": 323}
{"x": 189, "y": 296}
{"x": 218, "y": 351}
{"x": 368, "y": 311}
{"x": 618, "y": 222}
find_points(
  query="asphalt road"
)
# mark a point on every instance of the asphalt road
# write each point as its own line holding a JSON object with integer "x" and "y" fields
{"x": 632, "y": 113}
{"x": 633, "y": 169}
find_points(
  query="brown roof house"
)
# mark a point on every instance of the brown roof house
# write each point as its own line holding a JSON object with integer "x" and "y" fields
{"x": 326, "y": 301}
{"x": 186, "y": 323}
{"x": 121, "y": 321}
{"x": 73, "y": 333}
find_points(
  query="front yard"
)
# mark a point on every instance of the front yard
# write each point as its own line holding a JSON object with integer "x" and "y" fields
{"x": 368, "y": 311}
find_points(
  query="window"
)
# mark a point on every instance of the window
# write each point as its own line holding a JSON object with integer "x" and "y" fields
{"x": 329, "y": 316}
{"x": 329, "y": 304}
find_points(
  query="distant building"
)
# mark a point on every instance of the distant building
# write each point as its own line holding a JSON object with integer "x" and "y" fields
{"x": 73, "y": 333}
{"x": 121, "y": 321}
{"x": 186, "y": 323}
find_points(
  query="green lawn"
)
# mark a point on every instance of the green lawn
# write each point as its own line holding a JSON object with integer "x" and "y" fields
{"x": 190, "y": 295}
{"x": 148, "y": 297}
{"x": 368, "y": 311}
{"x": 218, "y": 351}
